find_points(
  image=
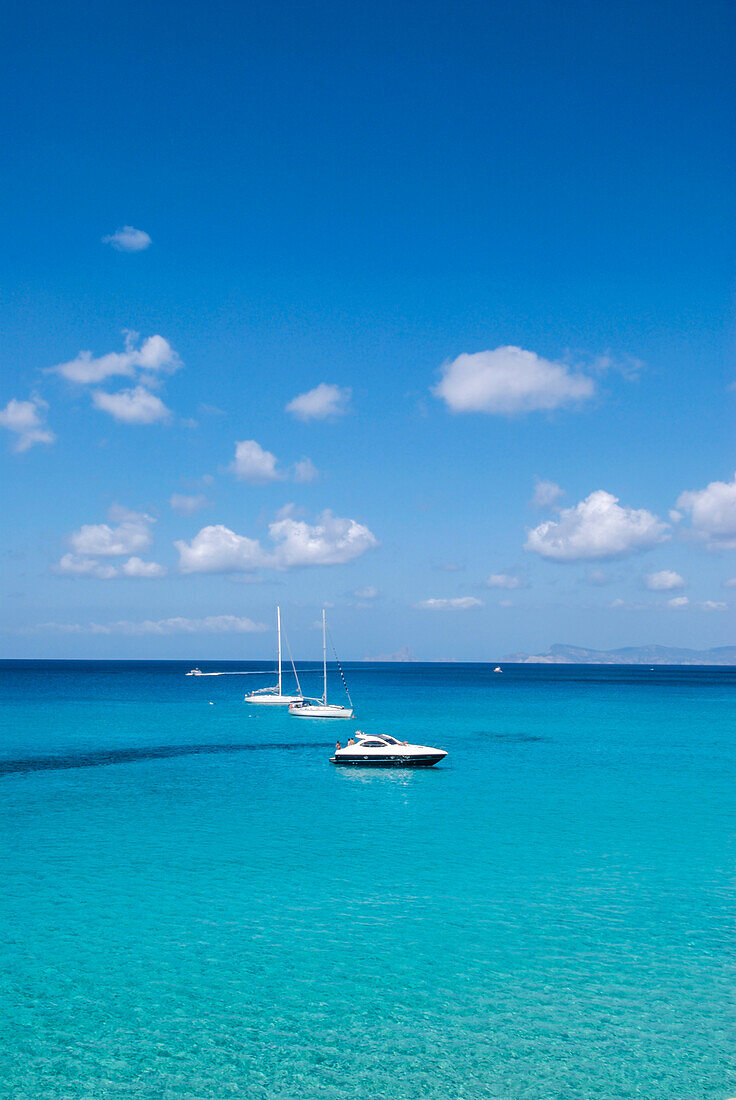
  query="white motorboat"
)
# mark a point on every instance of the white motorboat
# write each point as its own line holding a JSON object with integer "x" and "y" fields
{"x": 383, "y": 751}
{"x": 320, "y": 708}
{"x": 498, "y": 669}
{"x": 274, "y": 696}
{"x": 195, "y": 672}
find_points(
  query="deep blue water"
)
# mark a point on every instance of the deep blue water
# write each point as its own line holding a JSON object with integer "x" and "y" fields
{"x": 197, "y": 905}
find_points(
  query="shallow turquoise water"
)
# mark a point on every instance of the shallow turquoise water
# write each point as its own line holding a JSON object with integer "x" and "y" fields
{"x": 222, "y": 913}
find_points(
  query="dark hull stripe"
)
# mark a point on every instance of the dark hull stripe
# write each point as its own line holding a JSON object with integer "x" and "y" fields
{"x": 387, "y": 761}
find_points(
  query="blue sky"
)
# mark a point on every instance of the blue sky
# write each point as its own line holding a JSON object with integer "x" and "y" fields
{"x": 493, "y": 244}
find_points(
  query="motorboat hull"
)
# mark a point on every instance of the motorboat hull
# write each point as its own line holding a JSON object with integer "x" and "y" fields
{"x": 321, "y": 711}
{"x": 386, "y": 761}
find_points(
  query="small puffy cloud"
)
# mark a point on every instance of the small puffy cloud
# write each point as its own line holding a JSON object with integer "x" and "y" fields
{"x": 187, "y": 505}
{"x": 324, "y": 402}
{"x": 254, "y": 464}
{"x": 128, "y": 239}
{"x": 75, "y": 565}
{"x": 678, "y": 602}
{"x": 663, "y": 580}
{"x": 212, "y": 624}
{"x": 155, "y": 355}
{"x": 136, "y": 567}
{"x": 713, "y": 605}
{"x": 597, "y": 527}
{"x": 25, "y": 419}
{"x": 712, "y": 512}
{"x": 509, "y": 380}
{"x": 330, "y": 541}
{"x": 217, "y": 549}
{"x": 546, "y": 494}
{"x": 730, "y": 583}
{"x": 133, "y": 406}
{"x": 505, "y": 580}
{"x": 366, "y": 593}
{"x": 130, "y": 535}
{"x": 305, "y": 471}
{"x": 456, "y": 603}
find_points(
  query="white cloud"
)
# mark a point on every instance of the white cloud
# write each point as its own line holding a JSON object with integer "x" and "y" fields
{"x": 546, "y": 494}
{"x": 25, "y": 419}
{"x": 134, "y": 406}
{"x": 212, "y": 624}
{"x": 597, "y": 527}
{"x": 712, "y": 512}
{"x": 366, "y": 593}
{"x": 187, "y": 505}
{"x": 74, "y": 565}
{"x": 154, "y": 355}
{"x": 217, "y": 549}
{"x": 128, "y": 239}
{"x": 456, "y": 603}
{"x": 330, "y": 541}
{"x": 713, "y": 605}
{"x": 509, "y": 380}
{"x": 130, "y": 535}
{"x": 730, "y": 583}
{"x": 254, "y": 464}
{"x": 663, "y": 580}
{"x": 324, "y": 402}
{"x": 678, "y": 602}
{"x": 136, "y": 567}
{"x": 305, "y": 471}
{"x": 505, "y": 580}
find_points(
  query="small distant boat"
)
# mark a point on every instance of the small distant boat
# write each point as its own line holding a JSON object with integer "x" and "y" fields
{"x": 498, "y": 669}
{"x": 273, "y": 696}
{"x": 320, "y": 708}
{"x": 194, "y": 672}
{"x": 382, "y": 751}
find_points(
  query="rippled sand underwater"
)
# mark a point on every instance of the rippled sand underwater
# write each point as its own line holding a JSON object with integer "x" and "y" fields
{"x": 197, "y": 905}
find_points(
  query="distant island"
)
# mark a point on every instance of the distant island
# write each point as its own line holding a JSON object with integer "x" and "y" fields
{"x": 628, "y": 655}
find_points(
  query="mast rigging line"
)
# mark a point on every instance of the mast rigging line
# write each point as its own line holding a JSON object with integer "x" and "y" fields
{"x": 339, "y": 668}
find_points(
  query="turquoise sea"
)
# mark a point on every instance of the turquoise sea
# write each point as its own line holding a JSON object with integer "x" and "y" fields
{"x": 195, "y": 904}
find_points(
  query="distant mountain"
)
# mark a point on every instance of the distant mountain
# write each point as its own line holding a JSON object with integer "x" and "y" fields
{"x": 628, "y": 655}
{"x": 401, "y": 656}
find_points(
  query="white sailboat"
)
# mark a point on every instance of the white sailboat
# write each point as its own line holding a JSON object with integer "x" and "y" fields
{"x": 273, "y": 696}
{"x": 320, "y": 708}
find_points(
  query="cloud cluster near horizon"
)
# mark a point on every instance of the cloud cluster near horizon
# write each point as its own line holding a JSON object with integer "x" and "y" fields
{"x": 211, "y": 624}
{"x": 451, "y": 603}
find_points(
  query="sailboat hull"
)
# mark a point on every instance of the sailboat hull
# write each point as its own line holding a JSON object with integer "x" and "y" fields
{"x": 272, "y": 700}
{"x": 320, "y": 710}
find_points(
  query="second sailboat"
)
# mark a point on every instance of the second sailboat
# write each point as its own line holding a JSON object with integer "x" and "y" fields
{"x": 320, "y": 708}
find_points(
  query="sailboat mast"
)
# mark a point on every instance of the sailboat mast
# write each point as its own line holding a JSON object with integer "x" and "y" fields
{"x": 278, "y": 627}
{"x": 324, "y": 657}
